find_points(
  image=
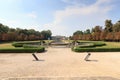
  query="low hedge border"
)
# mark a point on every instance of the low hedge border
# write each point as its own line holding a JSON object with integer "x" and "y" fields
{"x": 94, "y": 47}
{"x": 30, "y": 46}
{"x": 90, "y": 44}
{"x": 22, "y": 50}
{"x": 76, "y": 49}
{"x": 20, "y": 44}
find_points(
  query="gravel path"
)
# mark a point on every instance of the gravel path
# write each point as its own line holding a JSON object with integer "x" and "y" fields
{"x": 60, "y": 62}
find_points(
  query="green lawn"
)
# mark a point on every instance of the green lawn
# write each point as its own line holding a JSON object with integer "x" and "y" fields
{"x": 9, "y": 44}
{"x": 6, "y": 45}
{"x": 108, "y": 44}
{"x": 8, "y": 48}
{"x": 109, "y": 47}
{"x": 112, "y": 45}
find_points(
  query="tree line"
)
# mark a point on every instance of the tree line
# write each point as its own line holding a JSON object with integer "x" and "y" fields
{"x": 111, "y": 32}
{"x": 18, "y": 34}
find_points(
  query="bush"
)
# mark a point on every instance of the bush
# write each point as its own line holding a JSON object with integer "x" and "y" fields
{"x": 20, "y": 44}
{"x": 86, "y": 45}
{"x": 22, "y": 50}
{"x": 17, "y": 44}
{"x": 90, "y": 44}
{"x": 94, "y": 48}
{"x": 30, "y": 46}
{"x": 77, "y": 49}
{"x": 96, "y": 44}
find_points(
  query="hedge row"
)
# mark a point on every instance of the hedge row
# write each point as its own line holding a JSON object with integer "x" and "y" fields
{"x": 30, "y": 46}
{"x": 77, "y": 49}
{"x": 90, "y": 44}
{"x": 20, "y": 44}
{"x": 93, "y": 47}
{"x": 22, "y": 50}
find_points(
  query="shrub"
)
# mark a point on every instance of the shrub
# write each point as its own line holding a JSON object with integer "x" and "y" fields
{"x": 22, "y": 50}
{"x": 20, "y": 44}
{"x": 86, "y": 45}
{"x": 30, "y": 46}
{"x": 99, "y": 44}
{"x": 17, "y": 44}
{"x": 94, "y": 48}
{"x": 90, "y": 44}
{"x": 77, "y": 49}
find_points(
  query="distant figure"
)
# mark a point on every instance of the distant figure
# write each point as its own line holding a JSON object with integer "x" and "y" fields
{"x": 86, "y": 58}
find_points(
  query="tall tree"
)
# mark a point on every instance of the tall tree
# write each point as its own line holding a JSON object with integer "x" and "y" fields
{"x": 97, "y": 29}
{"x": 108, "y": 26}
{"x": 87, "y": 31}
{"x": 46, "y": 34}
{"x": 78, "y": 32}
{"x": 116, "y": 27}
{"x": 3, "y": 28}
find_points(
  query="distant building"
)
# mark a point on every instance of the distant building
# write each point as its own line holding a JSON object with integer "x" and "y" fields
{"x": 59, "y": 38}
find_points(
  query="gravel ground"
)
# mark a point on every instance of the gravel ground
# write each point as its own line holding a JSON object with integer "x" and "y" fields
{"x": 66, "y": 78}
{"x": 62, "y": 64}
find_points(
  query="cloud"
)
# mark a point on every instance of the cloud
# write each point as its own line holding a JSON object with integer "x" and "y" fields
{"x": 32, "y": 15}
{"x": 75, "y": 17}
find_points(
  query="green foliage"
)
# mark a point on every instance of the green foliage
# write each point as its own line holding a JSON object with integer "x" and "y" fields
{"x": 87, "y": 31}
{"x": 15, "y": 44}
{"x": 22, "y": 50}
{"x": 97, "y": 29}
{"x": 90, "y": 44}
{"x": 97, "y": 47}
{"x": 30, "y": 46}
{"x": 111, "y": 32}
{"x": 11, "y": 34}
{"x": 116, "y": 27}
{"x": 78, "y": 33}
{"x": 97, "y": 44}
{"x": 77, "y": 49}
{"x": 3, "y": 28}
{"x": 90, "y": 47}
{"x": 20, "y": 44}
{"x": 108, "y": 26}
{"x": 47, "y": 34}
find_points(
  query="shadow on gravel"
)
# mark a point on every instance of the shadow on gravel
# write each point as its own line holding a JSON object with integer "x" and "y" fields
{"x": 92, "y": 60}
{"x": 38, "y": 60}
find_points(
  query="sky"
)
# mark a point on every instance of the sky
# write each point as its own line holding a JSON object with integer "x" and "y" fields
{"x": 62, "y": 17}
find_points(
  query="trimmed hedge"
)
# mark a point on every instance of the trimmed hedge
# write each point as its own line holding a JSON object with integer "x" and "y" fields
{"x": 77, "y": 49}
{"x": 15, "y": 44}
{"x": 22, "y": 50}
{"x": 20, "y": 44}
{"x": 96, "y": 44}
{"x": 86, "y": 45}
{"x": 30, "y": 46}
{"x": 90, "y": 44}
{"x": 93, "y": 47}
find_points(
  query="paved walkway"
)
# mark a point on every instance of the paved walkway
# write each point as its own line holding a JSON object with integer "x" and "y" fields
{"x": 60, "y": 62}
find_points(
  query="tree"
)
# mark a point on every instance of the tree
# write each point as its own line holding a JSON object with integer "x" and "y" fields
{"x": 97, "y": 29}
{"x": 78, "y": 33}
{"x": 3, "y": 28}
{"x": 87, "y": 31}
{"x": 96, "y": 32}
{"x": 116, "y": 27}
{"x": 46, "y": 34}
{"x": 108, "y": 26}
